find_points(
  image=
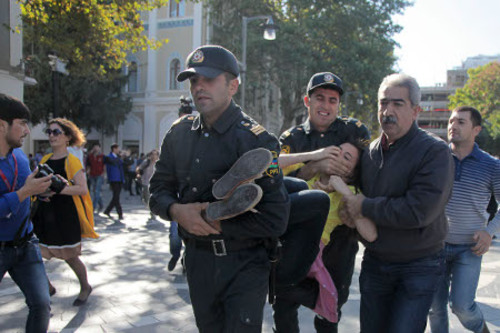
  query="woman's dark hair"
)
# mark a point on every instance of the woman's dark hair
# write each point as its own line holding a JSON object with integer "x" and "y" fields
{"x": 11, "y": 108}
{"x": 360, "y": 145}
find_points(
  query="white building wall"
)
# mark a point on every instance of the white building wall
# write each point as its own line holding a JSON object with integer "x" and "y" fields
{"x": 12, "y": 77}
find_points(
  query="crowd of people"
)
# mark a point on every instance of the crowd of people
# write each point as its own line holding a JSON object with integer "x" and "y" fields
{"x": 266, "y": 217}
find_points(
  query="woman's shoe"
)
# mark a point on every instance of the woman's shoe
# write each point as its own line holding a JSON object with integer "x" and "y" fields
{"x": 52, "y": 290}
{"x": 80, "y": 301}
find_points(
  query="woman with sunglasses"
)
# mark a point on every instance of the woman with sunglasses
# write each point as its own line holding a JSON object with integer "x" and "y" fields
{"x": 59, "y": 214}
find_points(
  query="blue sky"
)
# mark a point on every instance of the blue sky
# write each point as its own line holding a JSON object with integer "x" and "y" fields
{"x": 439, "y": 34}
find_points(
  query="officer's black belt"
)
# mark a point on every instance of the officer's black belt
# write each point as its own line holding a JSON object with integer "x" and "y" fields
{"x": 220, "y": 247}
{"x": 20, "y": 242}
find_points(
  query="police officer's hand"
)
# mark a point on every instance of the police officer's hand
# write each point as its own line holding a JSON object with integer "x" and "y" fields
{"x": 189, "y": 216}
{"x": 322, "y": 153}
{"x": 335, "y": 164}
{"x": 483, "y": 242}
{"x": 34, "y": 186}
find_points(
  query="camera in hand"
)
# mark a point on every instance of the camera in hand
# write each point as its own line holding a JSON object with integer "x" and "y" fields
{"x": 57, "y": 185}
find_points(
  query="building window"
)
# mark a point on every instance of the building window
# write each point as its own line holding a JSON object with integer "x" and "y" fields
{"x": 177, "y": 8}
{"x": 132, "y": 77}
{"x": 175, "y": 68}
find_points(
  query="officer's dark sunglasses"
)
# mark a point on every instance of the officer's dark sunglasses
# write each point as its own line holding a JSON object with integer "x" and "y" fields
{"x": 54, "y": 132}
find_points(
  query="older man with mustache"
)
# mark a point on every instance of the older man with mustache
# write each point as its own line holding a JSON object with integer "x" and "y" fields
{"x": 407, "y": 176}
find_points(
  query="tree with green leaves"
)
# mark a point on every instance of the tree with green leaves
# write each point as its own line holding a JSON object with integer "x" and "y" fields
{"x": 93, "y": 37}
{"x": 351, "y": 38}
{"x": 482, "y": 91}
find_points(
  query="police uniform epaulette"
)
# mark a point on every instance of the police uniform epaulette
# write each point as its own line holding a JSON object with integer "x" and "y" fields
{"x": 254, "y": 127}
{"x": 296, "y": 129}
{"x": 285, "y": 134}
{"x": 183, "y": 118}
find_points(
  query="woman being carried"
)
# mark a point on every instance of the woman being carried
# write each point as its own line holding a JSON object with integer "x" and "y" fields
{"x": 331, "y": 264}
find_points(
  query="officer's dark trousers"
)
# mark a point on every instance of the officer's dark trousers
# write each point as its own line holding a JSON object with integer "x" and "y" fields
{"x": 116, "y": 188}
{"x": 339, "y": 257}
{"x": 308, "y": 213}
{"x": 228, "y": 293}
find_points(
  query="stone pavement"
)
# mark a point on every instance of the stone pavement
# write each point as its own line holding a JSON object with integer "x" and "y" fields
{"x": 134, "y": 292}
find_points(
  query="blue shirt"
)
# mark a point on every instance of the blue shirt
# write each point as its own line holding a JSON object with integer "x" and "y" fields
{"x": 477, "y": 177}
{"x": 12, "y": 211}
{"x": 114, "y": 168}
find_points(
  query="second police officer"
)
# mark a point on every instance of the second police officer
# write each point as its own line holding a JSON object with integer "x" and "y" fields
{"x": 323, "y": 128}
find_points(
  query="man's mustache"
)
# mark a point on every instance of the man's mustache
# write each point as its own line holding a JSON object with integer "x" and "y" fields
{"x": 389, "y": 120}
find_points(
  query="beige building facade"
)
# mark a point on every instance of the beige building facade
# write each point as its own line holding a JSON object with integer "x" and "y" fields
{"x": 152, "y": 81}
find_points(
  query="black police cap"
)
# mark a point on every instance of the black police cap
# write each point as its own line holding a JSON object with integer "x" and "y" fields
{"x": 209, "y": 61}
{"x": 325, "y": 79}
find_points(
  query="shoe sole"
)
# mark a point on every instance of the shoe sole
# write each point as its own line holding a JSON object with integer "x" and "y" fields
{"x": 243, "y": 199}
{"x": 248, "y": 167}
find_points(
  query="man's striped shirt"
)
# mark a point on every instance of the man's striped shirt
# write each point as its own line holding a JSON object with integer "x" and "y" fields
{"x": 477, "y": 177}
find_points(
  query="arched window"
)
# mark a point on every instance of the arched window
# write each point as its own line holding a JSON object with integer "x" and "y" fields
{"x": 176, "y": 8}
{"x": 175, "y": 68}
{"x": 132, "y": 77}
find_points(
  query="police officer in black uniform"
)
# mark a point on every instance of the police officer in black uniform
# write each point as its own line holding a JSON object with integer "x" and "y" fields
{"x": 323, "y": 128}
{"x": 226, "y": 261}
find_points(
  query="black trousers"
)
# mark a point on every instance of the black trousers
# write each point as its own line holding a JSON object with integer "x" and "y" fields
{"x": 130, "y": 183}
{"x": 116, "y": 188}
{"x": 228, "y": 293}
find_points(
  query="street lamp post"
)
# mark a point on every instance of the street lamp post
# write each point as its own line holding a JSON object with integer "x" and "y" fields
{"x": 269, "y": 34}
{"x": 57, "y": 66}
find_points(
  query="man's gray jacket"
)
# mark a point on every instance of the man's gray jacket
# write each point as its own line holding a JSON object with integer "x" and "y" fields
{"x": 407, "y": 185}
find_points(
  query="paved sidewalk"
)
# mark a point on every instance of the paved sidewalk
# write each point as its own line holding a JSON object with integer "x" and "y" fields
{"x": 134, "y": 292}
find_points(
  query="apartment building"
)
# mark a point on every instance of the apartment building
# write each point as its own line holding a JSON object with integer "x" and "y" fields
{"x": 435, "y": 113}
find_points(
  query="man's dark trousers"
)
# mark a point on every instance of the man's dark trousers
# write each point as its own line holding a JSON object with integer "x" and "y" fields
{"x": 241, "y": 282}
{"x": 396, "y": 297}
{"x": 116, "y": 188}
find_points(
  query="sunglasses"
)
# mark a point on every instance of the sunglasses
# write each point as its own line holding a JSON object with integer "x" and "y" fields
{"x": 54, "y": 132}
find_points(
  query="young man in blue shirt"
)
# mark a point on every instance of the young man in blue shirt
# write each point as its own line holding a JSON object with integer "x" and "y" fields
{"x": 19, "y": 251}
{"x": 477, "y": 178}
{"x": 116, "y": 178}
